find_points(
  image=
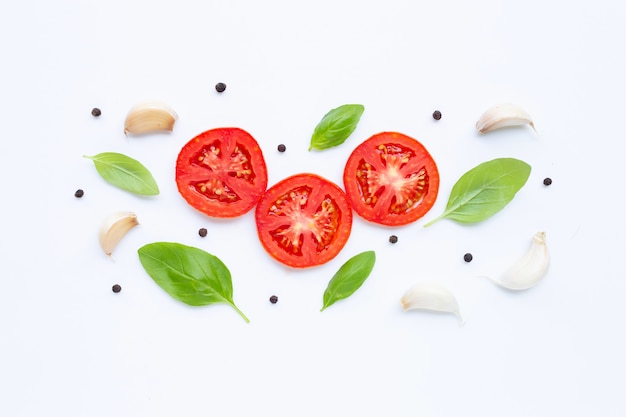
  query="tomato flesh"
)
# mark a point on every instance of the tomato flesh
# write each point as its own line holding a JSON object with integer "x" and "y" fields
{"x": 391, "y": 179}
{"x": 304, "y": 220}
{"x": 221, "y": 172}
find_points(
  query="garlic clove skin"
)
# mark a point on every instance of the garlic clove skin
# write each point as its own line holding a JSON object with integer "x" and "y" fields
{"x": 503, "y": 115}
{"x": 530, "y": 269}
{"x": 114, "y": 228}
{"x": 150, "y": 116}
{"x": 433, "y": 297}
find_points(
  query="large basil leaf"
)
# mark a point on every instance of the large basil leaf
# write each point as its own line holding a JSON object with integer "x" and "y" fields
{"x": 485, "y": 190}
{"x": 188, "y": 274}
{"x": 336, "y": 126}
{"x": 349, "y": 278}
{"x": 125, "y": 172}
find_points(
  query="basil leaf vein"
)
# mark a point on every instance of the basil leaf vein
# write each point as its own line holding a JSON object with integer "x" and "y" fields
{"x": 189, "y": 274}
{"x": 349, "y": 278}
{"x": 336, "y": 126}
{"x": 485, "y": 190}
{"x": 125, "y": 172}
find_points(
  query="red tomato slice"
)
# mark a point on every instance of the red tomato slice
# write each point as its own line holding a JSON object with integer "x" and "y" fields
{"x": 304, "y": 220}
{"x": 221, "y": 172}
{"x": 391, "y": 179}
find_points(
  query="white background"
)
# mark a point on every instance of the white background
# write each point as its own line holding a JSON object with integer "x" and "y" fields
{"x": 71, "y": 347}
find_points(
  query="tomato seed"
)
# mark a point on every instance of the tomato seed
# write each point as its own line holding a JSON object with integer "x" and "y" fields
{"x": 116, "y": 288}
{"x": 468, "y": 257}
{"x": 282, "y": 148}
{"x": 273, "y": 299}
{"x": 202, "y": 232}
{"x": 393, "y": 239}
{"x": 547, "y": 181}
{"x": 220, "y": 87}
{"x": 95, "y": 112}
{"x": 79, "y": 193}
{"x": 437, "y": 115}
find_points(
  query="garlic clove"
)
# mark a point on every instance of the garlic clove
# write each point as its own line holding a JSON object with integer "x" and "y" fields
{"x": 114, "y": 228}
{"x": 530, "y": 268}
{"x": 150, "y": 116}
{"x": 433, "y": 297}
{"x": 503, "y": 115}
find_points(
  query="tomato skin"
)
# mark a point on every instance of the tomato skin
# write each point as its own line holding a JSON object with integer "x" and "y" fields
{"x": 222, "y": 172}
{"x": 304, "y": 220}
{"x": 391, "y": 179}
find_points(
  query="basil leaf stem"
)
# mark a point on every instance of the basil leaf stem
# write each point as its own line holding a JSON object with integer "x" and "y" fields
{"x": 336, "y": 126}
{"x": 485, "y": 190}
{"x": 189, "y": 274}
{"x": 125, "y": 172}
{"x": 349, "y": 278}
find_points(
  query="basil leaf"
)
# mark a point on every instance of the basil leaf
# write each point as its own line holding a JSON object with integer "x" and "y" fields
{"x": 125, "y": 172}
{"x": 349, "y": 277}
{"x": 336, "y": 126}
{"x": 188, "y": 274}
{"x": 485, "y": 190}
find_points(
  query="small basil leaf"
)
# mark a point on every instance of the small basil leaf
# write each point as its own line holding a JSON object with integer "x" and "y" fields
{"x": 349, "y": 278}
{"x": 485, "y": 190}
{"x": 125, "y": 172}
{"x": 188, "y": 274}
{"x": 336, "y": 126}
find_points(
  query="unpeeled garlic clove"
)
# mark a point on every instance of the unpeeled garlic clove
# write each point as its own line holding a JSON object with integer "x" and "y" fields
{"x": 530, "y": 268}
{"x": 503, "y": 115}
{"x": 431, "y": 296}
{"x": 115, "y": 226}
{"x": 150, "y": 116}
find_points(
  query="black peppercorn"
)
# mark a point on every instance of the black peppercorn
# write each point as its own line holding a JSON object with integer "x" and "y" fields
{"x": 220, "y": 87}
{"x": 116, "y": 288}
{"x": 468, "y": 257}
{"x": 95, "y": 112}
{"x": 79, "y": 193}
{"x": 393, "y": 239}
{"x": 282, "y": 148}
{"x": 273, "y": 299}
{"x": 547, "y": 181}
{"x": 202, "y": 232}
{"x": 437, "y": 115}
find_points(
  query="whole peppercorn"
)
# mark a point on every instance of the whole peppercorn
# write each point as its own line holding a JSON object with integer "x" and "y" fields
{"x": 547, "y": 181}
{"x": 468, "y": 257}
{"x": 95, "y": 112}
{"x": 116, "y": 288}
{"x": 273, "y": 299}
{"x": 220, "y": 87}
{"x": 393, "y": 239}
{"x": 202, "y": 232}
{"x": 281, "y": 148}
{"x": 437, "y": 115}
{"x": 79, "y": 193}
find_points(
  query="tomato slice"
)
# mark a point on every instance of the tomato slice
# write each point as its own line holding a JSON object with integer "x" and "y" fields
{"x": 304, "y": 220}
{"x": 391, "y": 179}
{"x": 221, "y": 172}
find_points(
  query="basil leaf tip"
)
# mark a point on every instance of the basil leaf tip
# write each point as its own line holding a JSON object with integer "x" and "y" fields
{"x": 485, "y": 190}
{"x": 349, "y": 278}
{"x": 336, "y": 126}
{"x": 189, "y": 274}
{"x": 125, "y": 172}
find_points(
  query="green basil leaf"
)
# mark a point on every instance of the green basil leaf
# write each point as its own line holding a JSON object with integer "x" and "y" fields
{"x": 188, "y": 274}
{"x": 485, "y": 190}
{"x": 349, "y": 277}
{"x": 336, "y": 126}
{"x": 125, "y": 172}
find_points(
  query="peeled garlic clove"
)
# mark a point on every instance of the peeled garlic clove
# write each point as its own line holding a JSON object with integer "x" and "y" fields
{"x": 115, "y": 226}
{"x": 503, "y": 115}
{"x": 430, "y": 296}
{"x": 150, "y": 116}
{"x": 530, "y": 268}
